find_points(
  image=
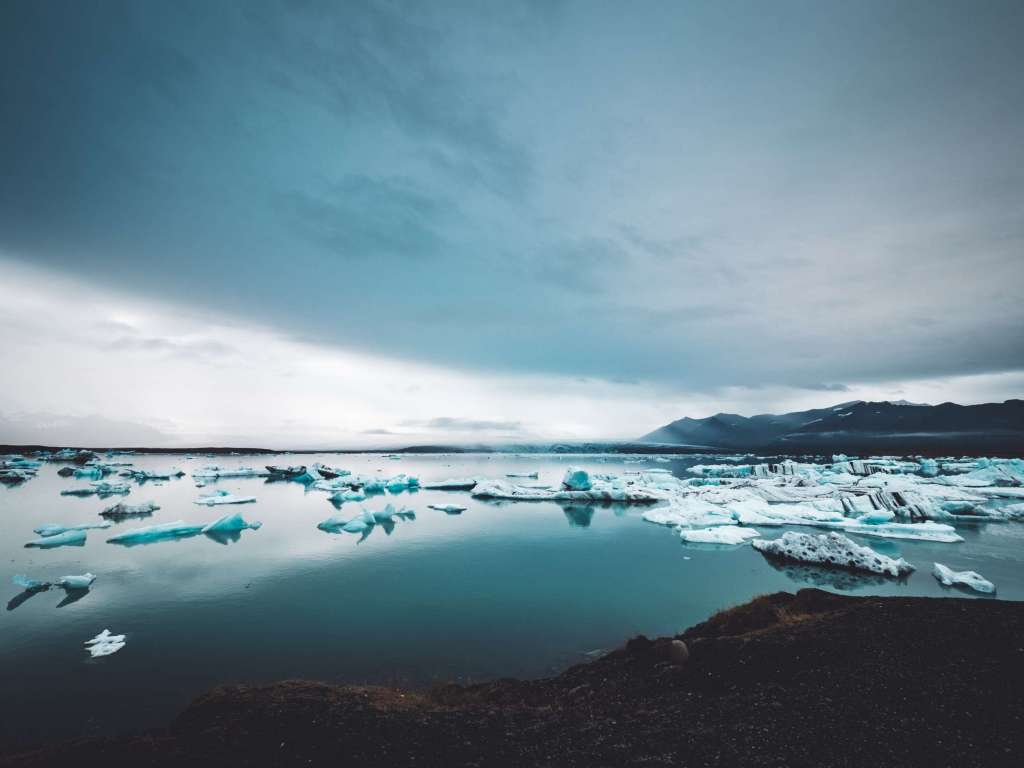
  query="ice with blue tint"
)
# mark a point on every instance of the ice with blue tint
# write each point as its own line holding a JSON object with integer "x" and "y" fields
{"x": 576, "y": 479}
{"x": 231, "y": 523}
{"x": 223, "y": 497}
{"x": 151, "y": 533}
{"x": 217, "y": 473}
{"x": 66, "y": 539}
{"x": 970, "y": 579}
{"x": 52, "y": 529}
{"x": 340, "y": 497}
{"x": 401, "y": 483}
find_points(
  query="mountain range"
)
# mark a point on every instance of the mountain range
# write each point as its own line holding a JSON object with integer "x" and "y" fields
{"x": 859, "y": 427}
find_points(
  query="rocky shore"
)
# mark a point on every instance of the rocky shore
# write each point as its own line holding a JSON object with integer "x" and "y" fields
{"x": 812, "y": 679}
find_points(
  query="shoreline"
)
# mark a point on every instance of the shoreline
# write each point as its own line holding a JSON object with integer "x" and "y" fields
{"x": 807, "y": 679}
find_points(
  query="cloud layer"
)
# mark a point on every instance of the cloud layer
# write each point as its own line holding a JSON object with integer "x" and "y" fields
{"x": 692, "y": 197}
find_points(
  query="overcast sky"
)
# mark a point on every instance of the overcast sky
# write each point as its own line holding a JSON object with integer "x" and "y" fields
{"x": 347, "y": 223}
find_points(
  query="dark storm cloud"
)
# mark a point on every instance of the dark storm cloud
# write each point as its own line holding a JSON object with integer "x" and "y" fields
{"x": 697, "y": 193}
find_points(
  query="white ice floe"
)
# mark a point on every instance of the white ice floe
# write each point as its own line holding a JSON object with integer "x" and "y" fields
{"x": 450, "y": 509}
{"x": 105, "y": 644}
{"x": 216, "y": 473}
{"x": 725, "y": 534}
{"x": 223, "y": 497}
{"x": 52, "y": 529}
{"x": 602, "y": 490}
{"x": 970, "y": 579}
{"x": 68, "y": 538}
{"x": 451, "y": 484}
{"x": 831, "y": 550}
{"x": 99, "y": 488}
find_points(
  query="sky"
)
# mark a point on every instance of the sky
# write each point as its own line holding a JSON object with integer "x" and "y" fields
{"x": 314, "y": 224}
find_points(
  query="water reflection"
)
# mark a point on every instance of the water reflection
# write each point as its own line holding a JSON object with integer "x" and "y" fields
{"x": 836, "y": 578}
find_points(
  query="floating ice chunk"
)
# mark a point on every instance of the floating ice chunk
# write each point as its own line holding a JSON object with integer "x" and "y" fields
{"x": 84, "y": 581}
{"x": 99, "y": 488}
{"x": 231, "y": 523}
{"x": 452, "y": 484}
{"x": 105, "y": 644}
{"x": 31, "y": 585}
{"x": 724, "y": 534}
{"x": 450, "y": 509}
{"x": 524, "y": 475}
{"x": 970, "y": 579}
{"x": 926, "y": 531}
{"x": 340, "y": 497}
{"x": 690, "y": 512}
{"x": 575, "y": 479}
{"x": 142, "y": 475}
{"x": 831, "y": 550}
{"x": 68, "y": 538}
{"x": 150, "y": 533}
{"x": 605, "y": 490}
{"x": 223, "y": 497}
{"x": 286, "y": 472}
{"x": 215, "y": 473}
{"x": 52, "y": 529}
{"x": 401, "y": 483}
{"x": 122, "y": 511}
{"x": 1013, "y": 512}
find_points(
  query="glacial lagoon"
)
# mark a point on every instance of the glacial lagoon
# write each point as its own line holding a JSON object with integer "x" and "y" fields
{"x": 504, "y": 588}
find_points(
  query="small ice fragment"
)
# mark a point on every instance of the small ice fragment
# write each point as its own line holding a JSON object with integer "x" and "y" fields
{"x": 223, "y": 497}
{"x": 970, "y": 579}
{"x": 122, "y": 511}
{"x": 68, "y": 538}
{"x": 76, "y": 582}
{"x": 450, "y": 509}
{"x": 229, "y": 523}
{"x": 31, "y": 585}
{"x": 52, "y": 529}
{"x": 527, "y": 475}
{"x": 105, "y": 644}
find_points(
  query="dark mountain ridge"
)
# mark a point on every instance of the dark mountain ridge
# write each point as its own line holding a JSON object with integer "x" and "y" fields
{"x": 859, "y": 426}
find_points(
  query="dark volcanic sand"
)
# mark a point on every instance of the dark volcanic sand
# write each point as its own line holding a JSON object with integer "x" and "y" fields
{"x": 814, "y": 679}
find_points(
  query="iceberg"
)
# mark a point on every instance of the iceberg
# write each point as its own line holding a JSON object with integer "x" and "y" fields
{"x": 831, "y": 550}
{"x": 970, "y": 579}
{"x": 450, "y": 509}
{"x": 689, "y": 512}
{"x": 52, "y": 529}
{"x": 150, "y": 533}
{"x": 575, "y": 479}
{"x": 724, "y": 534}
{"x": 365, "y": 521}
{"x": 122, "y": 511}
{"x": 223, "y": 497}
{"x": 68, "y": 538}
{"x": 600, "y": 491}
{"x": 105, "y": 644}
{"x": 523, "y": 475}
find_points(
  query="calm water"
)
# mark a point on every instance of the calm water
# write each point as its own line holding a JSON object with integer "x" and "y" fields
{"x": 521, "y": 589}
